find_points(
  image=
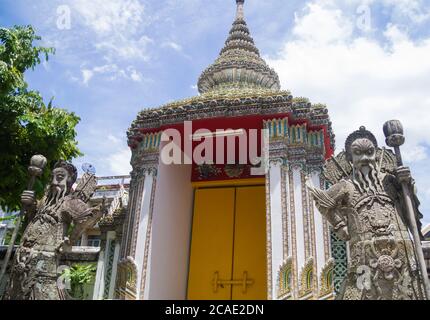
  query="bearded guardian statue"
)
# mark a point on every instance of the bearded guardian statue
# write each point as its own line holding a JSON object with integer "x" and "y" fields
{"x": 365, "y": 207}
{"x": 34, "y": 273}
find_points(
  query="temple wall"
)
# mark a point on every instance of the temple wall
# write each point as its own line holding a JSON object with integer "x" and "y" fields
{"x": 167, "y": 269}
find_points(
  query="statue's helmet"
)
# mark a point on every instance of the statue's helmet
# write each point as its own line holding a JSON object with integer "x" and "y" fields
{"x": 71, "y": 170}
{"x": 361, "y": 133}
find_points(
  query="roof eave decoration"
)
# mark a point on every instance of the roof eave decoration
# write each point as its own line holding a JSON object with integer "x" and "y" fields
{"x": 233, "y": 104}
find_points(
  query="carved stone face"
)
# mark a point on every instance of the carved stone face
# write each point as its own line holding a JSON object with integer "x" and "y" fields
{"x": 363, "y": 153}
{"x": 59, "y": 186}
{"x": 60, "y": 177}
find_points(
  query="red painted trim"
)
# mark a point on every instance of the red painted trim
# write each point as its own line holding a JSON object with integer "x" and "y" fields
{"x": 244, "y": 122}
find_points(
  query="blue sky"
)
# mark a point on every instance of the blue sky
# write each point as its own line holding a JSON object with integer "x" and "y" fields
{"x": 367, "y": 60}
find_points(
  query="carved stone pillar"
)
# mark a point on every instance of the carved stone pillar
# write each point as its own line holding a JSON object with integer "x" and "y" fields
{"x": 275, "y": 223}
{"x": 143, "y": 228}
{"x": 136, "y": 232}
{"x": 298, "y": 219}
{"x": 276, "y": 209}
{"x": 318, "y": 231}
{"x": 99, "y": 281}
{"x": 136, "y": 190}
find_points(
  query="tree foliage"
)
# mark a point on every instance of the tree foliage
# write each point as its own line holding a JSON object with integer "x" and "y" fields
{"x": 28, "y": 125}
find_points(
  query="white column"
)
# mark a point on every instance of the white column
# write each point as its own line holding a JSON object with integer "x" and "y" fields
{"x": 143, "y": 227}
{"x": 288, "y": 221}
{"x": 299, "y": 221}
{"x": 84, "y": 240}
{"x": 114, "y": 269}
{"x": 102, "y": 263}
{"x": 146, "y": 290}
{"x": 319, "y": 231}
{"x": 99, "y": 283}
{"x": 135, "y": 188}
{"x": 276, "y": 231}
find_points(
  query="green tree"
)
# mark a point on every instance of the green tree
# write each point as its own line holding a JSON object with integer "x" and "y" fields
{"x": 28, "y": 125}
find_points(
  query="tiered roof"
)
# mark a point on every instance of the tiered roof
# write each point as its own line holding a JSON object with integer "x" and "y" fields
{"x": 239, "y": 83}
{"x": 239, "y": 64}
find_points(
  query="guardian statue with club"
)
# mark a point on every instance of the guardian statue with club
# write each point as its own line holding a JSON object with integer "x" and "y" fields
{"x": 372, "y": 205}
{"x": 53, "y": 224}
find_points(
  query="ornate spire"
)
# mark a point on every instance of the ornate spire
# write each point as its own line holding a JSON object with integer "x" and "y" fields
{"x": 239, "y": 64}
{"x": 240, "y": 15}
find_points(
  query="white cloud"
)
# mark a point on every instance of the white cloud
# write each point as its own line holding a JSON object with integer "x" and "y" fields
{"x": 107, "y": 16}
{"x": 86, "y": 76}
{"x": 322, "y": 25}
{"x": 416, "y": 10}
{"x": 414, "y": 153}
{"x": 362, "y": 81}
{"x": 173, "y": 45}
{"x": 125, "y": 48}
{"x": 119, "y": 162}
{"x": 135, "y": 75}
{"x": 111, "y": 72}
{"x": 113, "y": 139}
{"x": 116, "y": 25}
{"x": 401, "y": 11}
{"x": 109, "y": 151}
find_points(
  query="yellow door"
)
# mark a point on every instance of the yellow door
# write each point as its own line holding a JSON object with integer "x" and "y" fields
{"x": 228, "y": 248}
{"x": 250, "y": 257}
{"x": 211, "y": 243}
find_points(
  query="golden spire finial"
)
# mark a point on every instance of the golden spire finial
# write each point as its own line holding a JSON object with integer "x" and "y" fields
{"x": 240, "y": 12}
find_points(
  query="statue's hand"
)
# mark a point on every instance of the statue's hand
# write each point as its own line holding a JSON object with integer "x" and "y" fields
{"x": 343, "y": 234}
{"x": 404, "y": 174}
{"x": 28, "y": 199}
{"x": 65, "y": 246}
{"x": 308, "y": 183}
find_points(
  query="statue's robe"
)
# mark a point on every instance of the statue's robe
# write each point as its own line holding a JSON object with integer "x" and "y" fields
{"x": 382, "y": 262}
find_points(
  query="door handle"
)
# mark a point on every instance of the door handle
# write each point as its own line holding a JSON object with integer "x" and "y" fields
{"x": 244, "y": 282}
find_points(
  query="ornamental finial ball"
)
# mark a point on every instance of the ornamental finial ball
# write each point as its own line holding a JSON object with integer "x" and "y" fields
{"x": 37, "y": 164}
{"x": 393, "y": 131}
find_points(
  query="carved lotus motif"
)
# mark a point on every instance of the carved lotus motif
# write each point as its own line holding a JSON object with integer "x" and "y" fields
{"x": 386, "y": 263}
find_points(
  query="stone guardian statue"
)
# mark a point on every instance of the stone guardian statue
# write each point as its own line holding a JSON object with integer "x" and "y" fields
{"x": 53, "y": 225}
{"x": 365, "y": 207}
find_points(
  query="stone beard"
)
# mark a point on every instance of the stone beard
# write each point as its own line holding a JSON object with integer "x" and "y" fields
{"x": 367, "y": 210}
{"x": 34, "y": 274}
{"x": 365, "y": 175}
{"x": 56, "y": 192}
